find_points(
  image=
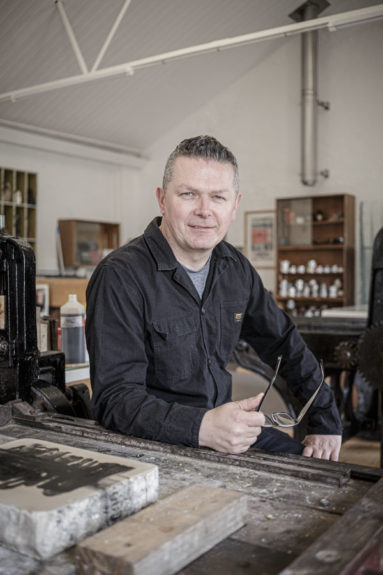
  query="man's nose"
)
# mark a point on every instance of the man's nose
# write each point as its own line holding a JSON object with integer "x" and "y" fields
{"x": 203, "y": 207}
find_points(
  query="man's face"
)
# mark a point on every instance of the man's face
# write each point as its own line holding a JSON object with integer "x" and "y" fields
{"x": 198, "y": 207}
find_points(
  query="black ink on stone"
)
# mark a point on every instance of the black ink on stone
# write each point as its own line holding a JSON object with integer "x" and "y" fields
{"x": 51, "y": 470}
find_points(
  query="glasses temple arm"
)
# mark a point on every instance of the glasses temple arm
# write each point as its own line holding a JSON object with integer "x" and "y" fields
{"x": 312, "y": 398}
{"x": 271, "y": 382}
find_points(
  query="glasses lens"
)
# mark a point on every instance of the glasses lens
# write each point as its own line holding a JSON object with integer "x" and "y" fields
{"x": 268, "y": 422}
{"x": 283, "y": 419}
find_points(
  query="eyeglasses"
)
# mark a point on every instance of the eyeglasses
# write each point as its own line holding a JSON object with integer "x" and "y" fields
{"x": 281, "y": 418}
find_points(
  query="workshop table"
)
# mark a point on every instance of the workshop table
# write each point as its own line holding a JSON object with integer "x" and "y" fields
{"x": 305, "y": 515}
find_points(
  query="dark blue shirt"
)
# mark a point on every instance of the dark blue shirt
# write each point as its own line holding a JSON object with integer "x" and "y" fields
{"x": 158, "y": 352}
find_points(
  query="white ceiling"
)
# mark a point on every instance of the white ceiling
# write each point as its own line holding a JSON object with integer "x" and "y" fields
{"x": 125, "y": 111}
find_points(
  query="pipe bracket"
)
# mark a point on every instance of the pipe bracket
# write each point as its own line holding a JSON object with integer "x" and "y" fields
{"x": 324, "y": 105}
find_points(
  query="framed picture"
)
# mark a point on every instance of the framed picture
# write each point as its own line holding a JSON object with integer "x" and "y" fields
{"x": 42, "y": 298}
{"x": 260, "y": 239}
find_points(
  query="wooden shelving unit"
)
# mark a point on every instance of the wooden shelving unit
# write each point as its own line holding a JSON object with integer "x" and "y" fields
{"x": 315, "y": 253}
{"x": 18, "y": 200}
{"x": 84, "y": 242}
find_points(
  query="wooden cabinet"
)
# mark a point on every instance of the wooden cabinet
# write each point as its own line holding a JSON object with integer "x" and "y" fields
{"x": 84, "y": 243}
{"x": 315, "y": 253}
{"x": 18, "y": 199}
{"x": 61, "y": 287}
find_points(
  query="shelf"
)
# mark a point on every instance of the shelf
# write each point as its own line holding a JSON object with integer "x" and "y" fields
{"x": 311, "y": 247}
{"x": 314, "y": 223}
{"x": 310, "y": 274}
{"x": 328, "y": 222}
{"x": 307, "y": 243}
{"x": 311, "y": 299}
{"x": 18, "y": 197}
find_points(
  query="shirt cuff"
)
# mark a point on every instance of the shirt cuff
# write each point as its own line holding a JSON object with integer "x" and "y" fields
{"x": 325, "y": 421}
{"x": 197, "y": 426}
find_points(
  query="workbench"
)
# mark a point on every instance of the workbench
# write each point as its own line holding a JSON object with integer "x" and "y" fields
{"x": 305, "y": 515}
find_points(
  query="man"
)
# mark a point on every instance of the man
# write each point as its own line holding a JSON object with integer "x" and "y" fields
{"x": 165, "y": 312}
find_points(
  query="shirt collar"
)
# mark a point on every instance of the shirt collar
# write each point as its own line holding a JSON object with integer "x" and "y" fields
{"x": 162, "y": 252}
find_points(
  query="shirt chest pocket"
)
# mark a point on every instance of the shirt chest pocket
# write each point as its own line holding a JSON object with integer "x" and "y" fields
{"x": 232, "y": 314}
{"x": 174, "y": 345}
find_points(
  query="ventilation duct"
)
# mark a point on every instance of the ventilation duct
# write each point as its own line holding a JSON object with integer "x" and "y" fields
{"x": 308, "y": 11}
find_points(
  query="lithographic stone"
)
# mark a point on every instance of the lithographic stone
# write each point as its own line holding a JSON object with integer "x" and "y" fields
{"x": 15, "y": 563}
{"x": 53, "y": 495}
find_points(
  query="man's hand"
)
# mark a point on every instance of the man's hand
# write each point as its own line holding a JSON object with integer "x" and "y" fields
{"x": 232, "y": 427}
{"x": 322, "y": 446}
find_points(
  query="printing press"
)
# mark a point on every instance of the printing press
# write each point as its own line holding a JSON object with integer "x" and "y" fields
{"x": 25, "y": 373}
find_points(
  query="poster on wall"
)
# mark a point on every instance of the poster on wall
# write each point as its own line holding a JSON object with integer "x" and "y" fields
{"x": 260, "y": 239}
{"x": 42, "y": 298}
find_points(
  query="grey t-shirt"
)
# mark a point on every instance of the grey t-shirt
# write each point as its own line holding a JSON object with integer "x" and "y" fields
{"x": 199, "y": 277}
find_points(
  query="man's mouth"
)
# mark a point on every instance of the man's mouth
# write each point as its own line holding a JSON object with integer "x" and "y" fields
{"x": 201, "y": 227}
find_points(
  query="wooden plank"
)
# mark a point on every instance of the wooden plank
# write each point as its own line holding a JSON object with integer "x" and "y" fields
{"x": 165, "y": 536}
{"x": 339, "y": 549}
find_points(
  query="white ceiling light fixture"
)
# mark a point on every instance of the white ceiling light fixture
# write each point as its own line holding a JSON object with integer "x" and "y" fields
{"x": 331, "y": 23}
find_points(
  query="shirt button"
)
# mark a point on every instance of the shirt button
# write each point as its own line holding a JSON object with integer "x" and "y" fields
{"x": 203, "y": 311}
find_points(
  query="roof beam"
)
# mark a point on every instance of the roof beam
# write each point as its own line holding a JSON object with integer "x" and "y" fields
{"x": 111, "y": 35}
{"x": 71, "y": 36}
{"x": 332, "y": 23}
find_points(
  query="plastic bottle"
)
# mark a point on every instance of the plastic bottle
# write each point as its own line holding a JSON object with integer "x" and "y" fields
{"x": 72, "y": 315}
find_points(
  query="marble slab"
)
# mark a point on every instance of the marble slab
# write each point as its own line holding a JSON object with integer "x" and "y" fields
{"x": 163, "y": 538}
{"x": 54, "y": 495}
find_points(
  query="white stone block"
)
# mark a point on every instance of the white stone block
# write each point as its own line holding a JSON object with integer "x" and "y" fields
{"x": 53, "y": 495}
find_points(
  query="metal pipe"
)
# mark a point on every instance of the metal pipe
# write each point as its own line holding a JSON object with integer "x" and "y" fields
{"x": 309, "y": 99}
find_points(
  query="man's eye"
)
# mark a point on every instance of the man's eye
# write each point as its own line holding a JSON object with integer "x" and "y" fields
{"x": 219, "y": 197}
{"x": 187, "y": 194}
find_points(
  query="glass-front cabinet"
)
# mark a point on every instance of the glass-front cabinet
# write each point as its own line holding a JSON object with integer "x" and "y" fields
{"x": 84, "y": 242}
{"x": 315, "y": 253}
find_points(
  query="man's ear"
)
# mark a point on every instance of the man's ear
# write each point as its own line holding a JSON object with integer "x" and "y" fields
{"x": 237, "y": 200}
{"x": 161, "y": 199}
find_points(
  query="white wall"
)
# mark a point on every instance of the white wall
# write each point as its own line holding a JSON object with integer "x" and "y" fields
{"x": 72, "y": 186}
{"x": 258, "y": 117}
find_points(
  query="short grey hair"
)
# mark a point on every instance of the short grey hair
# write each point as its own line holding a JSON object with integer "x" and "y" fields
{"x": 205, "y": 147}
